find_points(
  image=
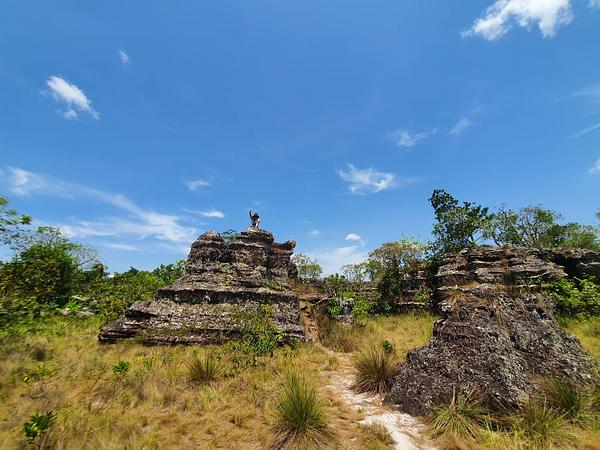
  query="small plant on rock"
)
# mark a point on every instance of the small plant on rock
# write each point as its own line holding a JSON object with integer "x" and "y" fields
{"x": 299, "y": 418}
{"x": 375, "y": 370}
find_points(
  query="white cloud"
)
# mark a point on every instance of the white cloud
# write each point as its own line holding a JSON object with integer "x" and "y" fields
{"x": 314, "y": 232}
{"x": 499, "y": 18}
{"x": 406, "y": 139}
{"x": 332, "y": 259}
{"x": 353, "y": 237}
{"x": 194, "y": 185}
{"x": 141, "y": 223}
{"x": 587, "y": 130}
{"x": 595, "y": 169}
{"x": 211, "y": 214}
{"x": 461, "y": 126}
{"x": 366, "y": 181}
{"x": 75, "y": 99}
{"x": 124, "y": 247}
{"x": 124, "y": 57}
{"x": 594, "y": 3}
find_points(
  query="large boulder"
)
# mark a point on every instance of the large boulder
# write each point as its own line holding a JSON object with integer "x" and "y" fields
{"x": 226, "y": 281}
{"x": 497, "y": 336}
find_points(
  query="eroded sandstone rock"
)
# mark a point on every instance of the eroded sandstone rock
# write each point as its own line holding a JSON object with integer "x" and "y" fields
{"x": 225, "y": 281}
{"x": 495, "y": 337}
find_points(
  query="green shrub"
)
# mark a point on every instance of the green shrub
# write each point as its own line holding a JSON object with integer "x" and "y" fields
{"x": 203, "y": 370}
{"x": 121, "y": 367}
{"x": 574, "y": 297}
{"x": 375, "y": 370}
{"x": 299, "y": 418}
{"x": 361, "y": 310}
{"x": 541, "y": 425}
{"x": 423, "y": 295}
{"x": 259, "y": 334}
{"x": 333, "y": 307}
{"x": 37, "y": 427}
{"x": 462, "y": 417}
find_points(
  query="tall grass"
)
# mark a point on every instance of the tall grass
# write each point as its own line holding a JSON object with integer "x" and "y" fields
{"x": 375, "y": 370}
{"x": 571, "y": 401}
{"x": 541, "y": 425}
{"x": 299, "y": 417}
{"x": 463, "y": 417}
{"x": 205, "y": 369}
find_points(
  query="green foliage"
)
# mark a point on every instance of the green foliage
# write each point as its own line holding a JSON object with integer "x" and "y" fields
{"x": 49, "y": 269}
{"x": 457, "y": 226}
{"x": 229, "y": 235}
{"x": 335, "y": 284}
{"x": 387, "y": 346}
{"x": 389, "y": 289}
{"x": 423, "y": 295}
{"x": 168, "y": 273}
{"x": 375, "y": 370}
{"x": 462, "y": 417}
{"x": 574, "y": 296}
{"x": 361, "y": 310}
{"x": 356, "y": 273}
{"x": 299, "y": 418}
{"x": 38, "y": 425}
{"x": 536, "y": 227}
{"x": 333, "y": 307}
{"x": 402, "y": 256}
{"x": 308, "y": 269}
{"x": 10, "y": 224}
{"x": 203, "y": 370}
{"x": 121, "y": 367}
{"x": 259, "y": 334}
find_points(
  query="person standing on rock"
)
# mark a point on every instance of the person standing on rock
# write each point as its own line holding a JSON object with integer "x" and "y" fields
{"x": 255, "y": 218}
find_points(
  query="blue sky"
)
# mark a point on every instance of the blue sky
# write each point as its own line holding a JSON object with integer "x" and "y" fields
{"x": 135, "y": 126}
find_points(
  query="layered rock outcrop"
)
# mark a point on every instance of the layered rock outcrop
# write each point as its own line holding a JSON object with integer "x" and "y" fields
{"x": 497, "y": 335}
{"x": 225, "y": 282}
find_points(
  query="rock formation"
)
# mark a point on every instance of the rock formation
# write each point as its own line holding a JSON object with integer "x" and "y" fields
{"x": 225, "y": 281}
{"x": 497, "y": 335}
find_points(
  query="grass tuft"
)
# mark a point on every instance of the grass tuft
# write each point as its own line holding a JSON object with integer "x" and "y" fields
{"x": 203, "y": 370}
{"x": 541, "y": 425}
{"x": 375, "y": 436}
{"x": 463, "y": 417}
{"x": 299, "y": 418}
{"x": 570, "y": 401}
{"x": 375, "y": 370}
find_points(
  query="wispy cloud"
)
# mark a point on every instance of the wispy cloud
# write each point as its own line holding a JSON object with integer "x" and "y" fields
{"x": 461, "y": 126}
{"x": 211, "y": 214}
{"x": 590, "y": 93}
{"x": 68, "y": 93}
{"x": 594, "y": 3}
{"x": 406, "y": 139}
{"x": 353, "y": 237}
{"x": 123, "y": 247}
{"x": 595, "y": 169}
{"x": 587, "y": 130}
{"x": 502, "y": 15}
{"x": 140, "y": 223}
{"x": 314, "y": 232}
{"x": 366, "y": 181}
{"x": 124, "y": 57}
{"x": 195, "y": 185}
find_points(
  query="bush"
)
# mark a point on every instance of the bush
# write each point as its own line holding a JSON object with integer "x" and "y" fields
{"x": 574, "y": 297}
{"x": 37, "y": 427}
{"x": 203, "y": 370}
{"x": 361, "y": 310}
{"x": 299, "y": 416}
{"x": 121, "y": 367}
{"x": 463, "y": 417}
{"x": 375, "y": 370}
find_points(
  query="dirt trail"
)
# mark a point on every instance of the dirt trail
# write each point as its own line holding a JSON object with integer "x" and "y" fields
{"x": 405, "y": 429}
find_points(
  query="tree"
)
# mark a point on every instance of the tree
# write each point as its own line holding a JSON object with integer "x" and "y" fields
{"x": 355, "y": 273}
{"x": 457, "y": 225}
{"x": 10, "y": 224}
{"x": 536, "y": 227}
{"x": 170, "y": 272}
{"x": 308, "y": 269}
{"x": 399, "y": 256}
{"x": 49, "y": 269}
